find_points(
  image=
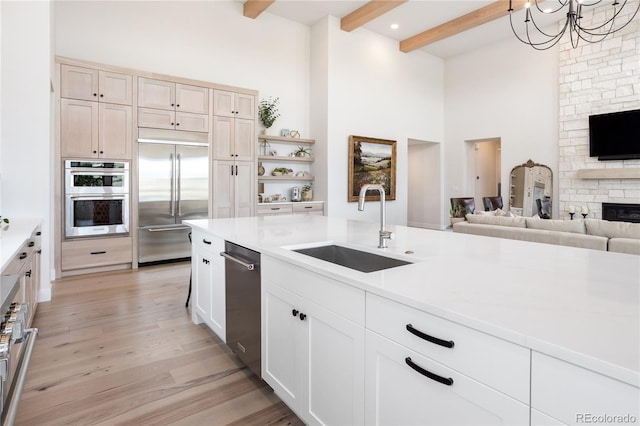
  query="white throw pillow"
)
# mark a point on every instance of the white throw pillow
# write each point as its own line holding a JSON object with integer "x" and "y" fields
{"x": 558, "y": 225}
{"x": 516, "y": 222}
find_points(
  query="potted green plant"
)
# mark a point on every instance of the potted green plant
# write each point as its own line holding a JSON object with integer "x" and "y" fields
{"x": 457, "y": 212}
{"x": 4, "y": 222}
{"x": 306, "y": 192}
{"x": 268, "y": 112}
{"x": 302, "y": 151}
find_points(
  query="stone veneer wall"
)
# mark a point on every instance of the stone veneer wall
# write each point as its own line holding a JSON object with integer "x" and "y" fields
{"x": 594, "y": 79}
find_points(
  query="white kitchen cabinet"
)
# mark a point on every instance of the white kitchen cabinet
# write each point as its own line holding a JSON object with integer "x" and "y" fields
{"x": 172, "y": 120}
{"x": 95, "y": 252}
{"x": 233, "y": 188}
{"x": 232, "y": 104}
{"x": 233, "y": 139}
{"x": 312, "y": 356}
{"x": 208, "y": 282}
{"x": 95, "y": 130}
{"x": 404, "y": 387}
{"x": 167, "y": 95}
{"x": 575, "y": 395}
{"x": 95, "y": 85}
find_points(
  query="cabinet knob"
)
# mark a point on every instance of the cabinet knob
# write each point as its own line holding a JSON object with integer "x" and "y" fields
{"x": 95, "y": 152}
{"x": 101, "y": 95}
{"x": 173, "y": 124}
{"x": 294, "y": 312}
{"x": 177, "y": 105}
{"x": 95, "y": 94}
{"x": 177, "y": 124}
{"x": 101, "y": 152}
{"x": 173, "y": 105}
{"x": 302, "y": 317}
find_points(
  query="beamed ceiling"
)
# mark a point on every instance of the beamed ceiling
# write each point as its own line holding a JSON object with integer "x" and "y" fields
{"x": 442, "y": 19}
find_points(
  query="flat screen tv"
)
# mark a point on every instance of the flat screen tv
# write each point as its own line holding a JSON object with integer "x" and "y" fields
{"x": 615, "y": 136}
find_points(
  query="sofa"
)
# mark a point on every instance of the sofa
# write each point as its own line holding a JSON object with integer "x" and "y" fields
{"x": 593, "y": 234}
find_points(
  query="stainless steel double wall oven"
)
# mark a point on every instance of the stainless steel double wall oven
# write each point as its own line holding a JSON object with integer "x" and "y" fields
{"x": 96, "y": 198}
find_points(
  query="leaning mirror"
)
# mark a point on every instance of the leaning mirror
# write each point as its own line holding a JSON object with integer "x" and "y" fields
{"x": 528, "y": 182}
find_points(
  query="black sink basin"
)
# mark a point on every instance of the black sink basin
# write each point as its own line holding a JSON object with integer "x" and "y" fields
{"x": 355, "y": 259}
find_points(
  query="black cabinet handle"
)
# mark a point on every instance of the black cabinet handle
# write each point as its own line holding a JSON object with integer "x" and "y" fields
{"x": 236, "y": 170}
{"x": 98, "y": 252}
{"x": 31, "y": 244}
{"x": 173, "y": 124}
{"x": 95, "y": 94}
{"x": 28, "y": 273}
{"x": 95, "y": 152}
{"x": 444, "y": 380}
{"x": 38, "y": 233}
{"x": 172, "y": 104}
{"x": 177, "y": 124}
{"x": 23, "y": 256}
{"x": 294, "y": 312}
{"x": 206, "y": 242}
{"x": 205, "y": 261}
{"x": 101, "y": 152}
{"x": 101, "y": 95}
{"x": 302, "y": 316}
{"x": 308, "y": 207}
{"x": 420, "y": 334}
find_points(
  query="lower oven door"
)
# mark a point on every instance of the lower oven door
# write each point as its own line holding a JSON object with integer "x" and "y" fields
{"x": 89, "y": 215}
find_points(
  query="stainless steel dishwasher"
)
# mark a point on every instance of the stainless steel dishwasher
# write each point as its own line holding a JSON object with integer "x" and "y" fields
{"x": 242, "y": 285}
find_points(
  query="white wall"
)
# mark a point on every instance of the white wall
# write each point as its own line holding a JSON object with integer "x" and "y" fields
{"x": 424, "y": 185}
{"x": 506, "y": 90}
{"x": 374, "y": 90}
{"x": 25, "y": 135}
{"x": 204, "y": 40}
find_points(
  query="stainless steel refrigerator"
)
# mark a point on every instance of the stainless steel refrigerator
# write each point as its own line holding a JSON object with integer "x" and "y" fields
{"x": 173, "y": 185}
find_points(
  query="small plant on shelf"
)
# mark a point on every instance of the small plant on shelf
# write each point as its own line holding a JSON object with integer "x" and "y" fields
{"x": 279, "y": 171}
{"x": 302, "y": 151}
{"x": 306, "y": 192}
{"x": 268, "y": 112}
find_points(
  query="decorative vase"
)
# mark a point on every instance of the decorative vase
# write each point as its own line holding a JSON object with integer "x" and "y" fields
{"x": 307, "y": 195}
{"x": 260, "y": 168}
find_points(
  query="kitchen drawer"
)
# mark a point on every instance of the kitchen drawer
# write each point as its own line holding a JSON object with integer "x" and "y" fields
{"x": 571, "y": 394}
{"x": 91, "y": 253}
{"x": 206, "y": 241}
{"x": 490, "y": 360}
{"x": 274, "y": 209}
{"x": 313, "y": 208}
{"x": 340, "y": 298}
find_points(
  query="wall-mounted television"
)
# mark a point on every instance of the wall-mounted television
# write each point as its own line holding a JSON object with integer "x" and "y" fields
{"x": 615, "y": 136}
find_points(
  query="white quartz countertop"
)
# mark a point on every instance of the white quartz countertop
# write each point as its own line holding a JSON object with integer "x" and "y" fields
{"x": 13, "y": 236}
{"x": 579, "y": 305}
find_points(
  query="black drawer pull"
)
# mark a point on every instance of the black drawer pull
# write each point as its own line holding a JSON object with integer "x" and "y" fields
{"x": 31, "y": 244}
{"x": 420, "y": 334}
{"x": 206, "y": 242}
{"x": 275, "y": 208}
{"x": 23, "y": 256}
{"x": 308, "y": 207}
{"x": 98, "y": 252}
{"x": 444, "y": 380}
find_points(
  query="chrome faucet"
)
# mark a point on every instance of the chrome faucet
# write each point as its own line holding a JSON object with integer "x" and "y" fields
{"x": 384, "y": 235}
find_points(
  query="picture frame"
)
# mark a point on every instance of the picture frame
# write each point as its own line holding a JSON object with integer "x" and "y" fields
{"x": 284, "y": 133}
{"x": 371, "y": 161}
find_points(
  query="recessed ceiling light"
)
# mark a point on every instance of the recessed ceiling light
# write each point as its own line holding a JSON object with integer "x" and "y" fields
{"x": 394, "y": 26}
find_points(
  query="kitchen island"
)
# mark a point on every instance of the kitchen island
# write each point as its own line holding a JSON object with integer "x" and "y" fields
{"x": 544, "y": 334}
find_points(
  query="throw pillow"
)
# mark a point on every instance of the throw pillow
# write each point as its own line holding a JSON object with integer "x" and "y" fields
{"x": 516, "y": 222}
{"x": 558, "y": 225}
{"x": 612, "y": 229}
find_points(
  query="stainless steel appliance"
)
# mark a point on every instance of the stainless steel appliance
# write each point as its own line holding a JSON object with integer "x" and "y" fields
{"x": 173, "y": 186}
{"x": 295, "y": 194}
{"x": 96, "y": 198}
{"x": 16, "y": 346}
{"x": 242, "y": 286}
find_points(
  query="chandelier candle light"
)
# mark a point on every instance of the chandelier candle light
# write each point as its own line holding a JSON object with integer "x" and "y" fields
{"x": 577, "y": 31}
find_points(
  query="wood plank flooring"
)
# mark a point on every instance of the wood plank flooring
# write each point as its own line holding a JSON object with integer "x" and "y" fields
{"x": 119, "y": 348}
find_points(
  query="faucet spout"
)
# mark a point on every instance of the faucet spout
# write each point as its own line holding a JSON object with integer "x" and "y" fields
{"x": 384, "y": 235}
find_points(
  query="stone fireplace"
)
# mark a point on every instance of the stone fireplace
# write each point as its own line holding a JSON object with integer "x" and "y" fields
{"x": 621, "y": 212}
{"x": 594, "y": 79}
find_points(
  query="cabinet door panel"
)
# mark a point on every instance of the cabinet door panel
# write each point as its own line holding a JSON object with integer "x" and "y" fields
{"x": 222, "y": 187}
{"x": 79, "y": 128}
{"x": 192, "y": 99}
{"x": 245, "y": 105}
{"x": 115, "y": 88}
{"x": 223, "y": 103}
{"x": 156, "y": 94}
{"x": 156, "y": 118}
{"x": 202, "y": 293}
{"x": 192, "y": 122}
{"x": 396, "y": 394}
{"x": 217, "y": 316}
{"x": 244, "y": 182}
{"x": 223, "y": 135}
{"x": 115, "y": 131}
{"x": 280, "y": 347}
{"x": 244, "y": 140}
{"x": 78, "y": 83}
{"x": 335, "y": 355}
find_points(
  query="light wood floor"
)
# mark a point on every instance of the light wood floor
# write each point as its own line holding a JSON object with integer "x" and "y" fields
{"x": 120, "y": 348}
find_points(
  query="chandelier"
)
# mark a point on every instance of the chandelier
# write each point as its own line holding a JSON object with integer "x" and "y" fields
{"x": 592, "y": 33}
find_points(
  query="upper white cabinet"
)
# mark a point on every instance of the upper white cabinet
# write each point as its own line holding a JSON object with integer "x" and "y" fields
{"x": 231, "y": 104}
{"x": 95, "y": 85}
{"x": 172, "y": 96}
{"x": 234, "y": 139}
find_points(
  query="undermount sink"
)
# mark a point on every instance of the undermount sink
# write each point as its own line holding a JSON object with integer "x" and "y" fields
{"x": 355, "y": 259}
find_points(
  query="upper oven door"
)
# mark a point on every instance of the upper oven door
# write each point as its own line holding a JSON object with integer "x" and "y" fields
{"x": 80, "y": 179}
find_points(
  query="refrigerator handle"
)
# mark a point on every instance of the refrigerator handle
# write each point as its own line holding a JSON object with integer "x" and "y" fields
{"x": 179, "y": 183}
{"x": 172, "y": 203}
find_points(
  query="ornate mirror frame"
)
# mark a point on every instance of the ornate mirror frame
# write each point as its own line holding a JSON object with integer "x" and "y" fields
{"x": 527, "y": 182}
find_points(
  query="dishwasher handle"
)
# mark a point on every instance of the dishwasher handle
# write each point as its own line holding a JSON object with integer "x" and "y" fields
{"x": 249, "y": 266}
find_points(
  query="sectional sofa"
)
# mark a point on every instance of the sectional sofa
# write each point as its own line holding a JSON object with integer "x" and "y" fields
{"x": 593, "y": 234}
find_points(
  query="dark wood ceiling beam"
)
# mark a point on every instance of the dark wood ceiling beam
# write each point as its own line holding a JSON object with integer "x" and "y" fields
{"x": 473, "y": 19}
{"x": 253, "y": 8}
{"x": 367, "y": 13}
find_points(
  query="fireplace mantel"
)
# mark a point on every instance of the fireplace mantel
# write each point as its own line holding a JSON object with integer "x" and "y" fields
{"x": 627, "y": 173}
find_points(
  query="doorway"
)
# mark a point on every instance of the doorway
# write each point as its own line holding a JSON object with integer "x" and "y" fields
{"x": 485, "y": 161}
{"x": 424, "y": 204}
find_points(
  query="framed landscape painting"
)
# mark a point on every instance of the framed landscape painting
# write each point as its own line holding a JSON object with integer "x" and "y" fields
{"x": 372, "y": 161}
